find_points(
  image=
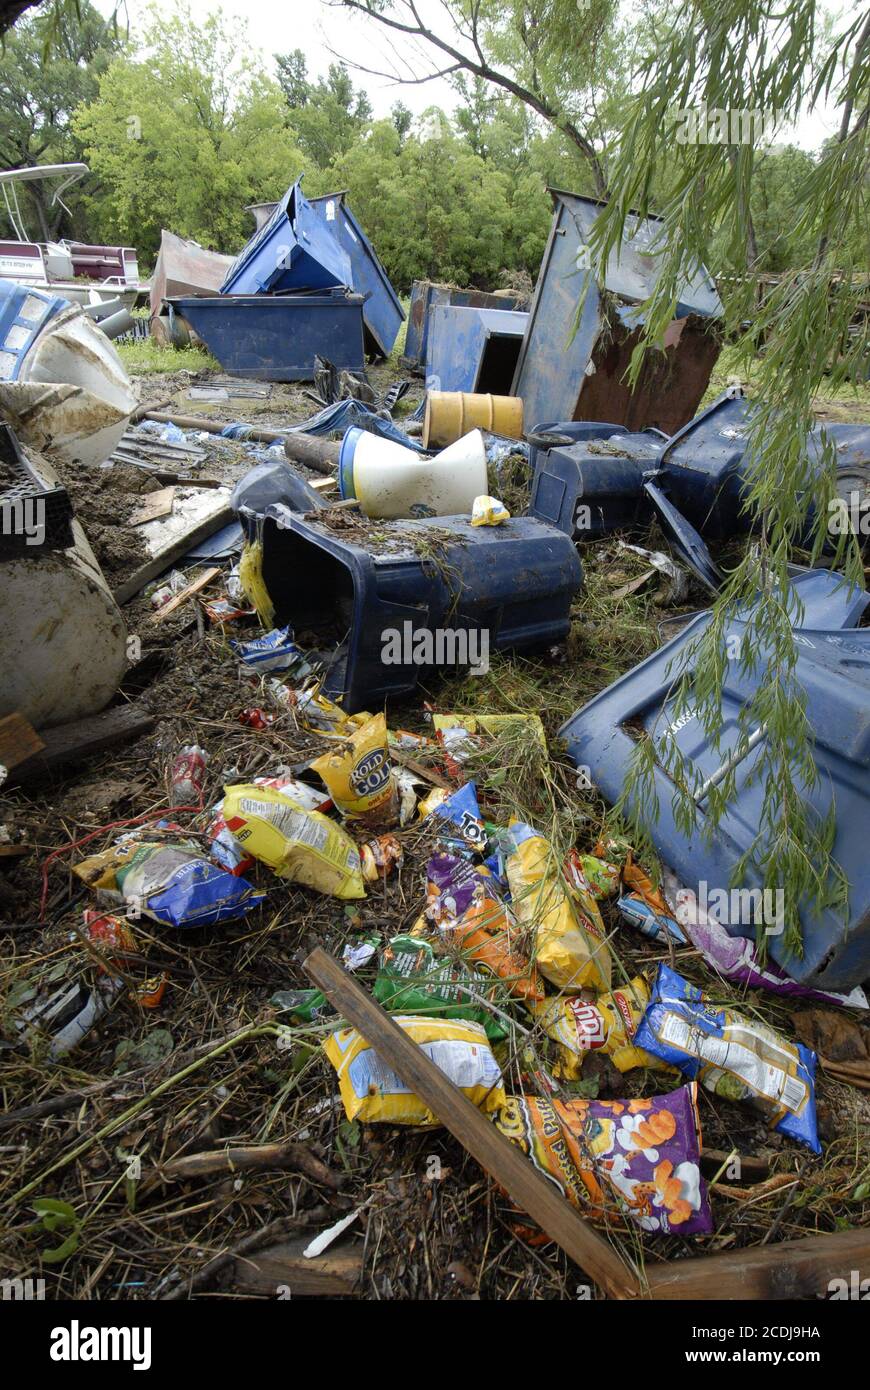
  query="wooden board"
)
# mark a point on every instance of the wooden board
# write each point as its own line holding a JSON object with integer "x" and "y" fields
{"x": 174, "y": 535}
{"x": 156, "y": 504}
{"x": 193, "y": 588}
{"x": 531, "y": 1191}
{"x": 84, "y": 738}
{"x": 18, "y": 741}
{"x": 284, "y": 1267}
{"x": 793, "y": 1269}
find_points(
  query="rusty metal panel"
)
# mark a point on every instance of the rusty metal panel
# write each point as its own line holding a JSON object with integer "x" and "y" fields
{"x": 185, "y": 267}
{"x": 561, "y": 357}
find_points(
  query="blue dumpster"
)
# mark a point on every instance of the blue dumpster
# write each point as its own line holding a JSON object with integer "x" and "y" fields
{"x": 473, "y": 349}
{"x": 566, "y": 375}
{"x": 276, "y": 337}
{"x": 425, "y": 294}
{"x": 382, "y": 312}
{"x": 833, "y": 669}
{"x": 420, "y": 596}
{"x": 294, "y": 250}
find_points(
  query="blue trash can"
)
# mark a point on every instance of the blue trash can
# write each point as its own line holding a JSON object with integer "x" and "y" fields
{"x": 383, "y": 314}
{"x": 403, "y": 599}
{"x": 833, "y": 669}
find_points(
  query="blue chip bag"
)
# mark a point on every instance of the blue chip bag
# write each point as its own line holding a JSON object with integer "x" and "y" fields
{"x": 655, "y": 925}
{"x": 170, "y": 881}
{"x": 731, "y": 1055}
{"x": 460, "y": 818}
{"x": 274, "y": 651}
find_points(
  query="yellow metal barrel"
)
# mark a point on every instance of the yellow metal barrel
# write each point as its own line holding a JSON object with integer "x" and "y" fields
{"x": 451, "y": 414}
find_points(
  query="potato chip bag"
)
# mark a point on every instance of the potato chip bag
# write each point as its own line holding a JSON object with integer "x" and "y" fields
{"x": 488, "y": 511}
{"x": 608, "y": 1025}
{"x": 483, "y": 933}
{"x": 374, "y": 1094}
{"x": 169, "y": 881}
{"x": 733, "y": 1056}
{"x": 570, "y": 941}
{"x": 358, "y": 774}
{"x": 638, "y": 1157}
{"x": 303, "y": 846}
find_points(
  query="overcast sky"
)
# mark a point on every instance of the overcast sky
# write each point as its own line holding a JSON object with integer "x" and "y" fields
{"x": 279, "y": 26}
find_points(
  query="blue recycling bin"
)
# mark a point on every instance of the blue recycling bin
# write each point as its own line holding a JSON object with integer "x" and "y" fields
{"x": 833, "y": 670}
{"x": 432, "y": 591}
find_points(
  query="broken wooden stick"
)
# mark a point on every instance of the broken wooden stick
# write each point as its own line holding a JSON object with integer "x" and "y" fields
{"x": 245, "y": 1158}
{"x": 528, "y": 1188}
{"x": 187, "y": 592}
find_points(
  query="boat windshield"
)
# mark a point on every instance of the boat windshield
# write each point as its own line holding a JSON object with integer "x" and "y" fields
{"x": 68, "y": 174}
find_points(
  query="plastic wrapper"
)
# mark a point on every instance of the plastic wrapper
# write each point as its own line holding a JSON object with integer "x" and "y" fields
{"x": 359, "y": 776}
{"x": 373, "y": 1093}
{"x": 171, "y": 882}
{"x": 485, "y": 935}
{"x": 301, "y": 845}
{"x": 452, "y": 884}
{"x": 637, "y": 1157}
{"x": 736, "y": 958}
{"x": 305, "y": 1004}
{"x": 380, "y": 857}
{"x": 488, "y": 511}
{"x": 658, "y": 926}
{"x": 412, "y": 978}
{"x": 733, "y": 1056}
{"x": 607, "y": 1025}
{"x": 274, "y": 651}
{"x": 458, "y": 820}
{"x": 225, "y": 848}
{"x": 570, "y": 941}
{"x": 318, "y": 713}
{"x": 226, "y": 610}
{"x": 591, "y": 875}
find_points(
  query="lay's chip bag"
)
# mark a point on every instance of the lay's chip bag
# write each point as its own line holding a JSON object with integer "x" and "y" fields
{"x": 608, "y": 1025}
{"x": 303, "y": 846}
{"x": 358, "y": 774}
{"x": 373, "y": 1093}
{"x": 571, "y": 946}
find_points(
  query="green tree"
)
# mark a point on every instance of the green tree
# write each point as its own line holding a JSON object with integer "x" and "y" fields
{"x": 731, "y": 56}
{"x": 328, "y": 115}
{"x": 184, "y": 132}
{"x": 38, "y": 98}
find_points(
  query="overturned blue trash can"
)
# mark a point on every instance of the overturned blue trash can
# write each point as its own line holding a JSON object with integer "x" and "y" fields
{"x": 401, "y": 600}
{"x": 425, "y": 294}
{"x": 833, "y": 669}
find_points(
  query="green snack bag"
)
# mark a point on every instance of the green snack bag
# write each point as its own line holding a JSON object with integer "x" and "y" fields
{"x": 411, "y": 979}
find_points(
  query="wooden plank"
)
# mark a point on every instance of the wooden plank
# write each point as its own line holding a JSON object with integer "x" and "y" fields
{"x": 86, "y": 737}
{"x": 528, "y": 1188}
{"x": 156, "y": 504}
{"x": 18, "y": 741}
{"x": 164, "y": 559}
{"x": 193, "y": 588}
{"x": 283, "y": 1266}
{"x": 792, "y": 1269}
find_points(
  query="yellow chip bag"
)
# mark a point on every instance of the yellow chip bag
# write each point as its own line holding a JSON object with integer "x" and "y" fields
{"x": 607, "y": 1025}
{"x": 570, "y": 940}
{"x": 301, "y": 845}
{"x": 373, "y": 1093}
{"x": 488, "y": 511}
{"x": 358, "y": 775}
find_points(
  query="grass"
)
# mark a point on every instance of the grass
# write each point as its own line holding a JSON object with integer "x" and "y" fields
{"x": 146, "y": 358}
